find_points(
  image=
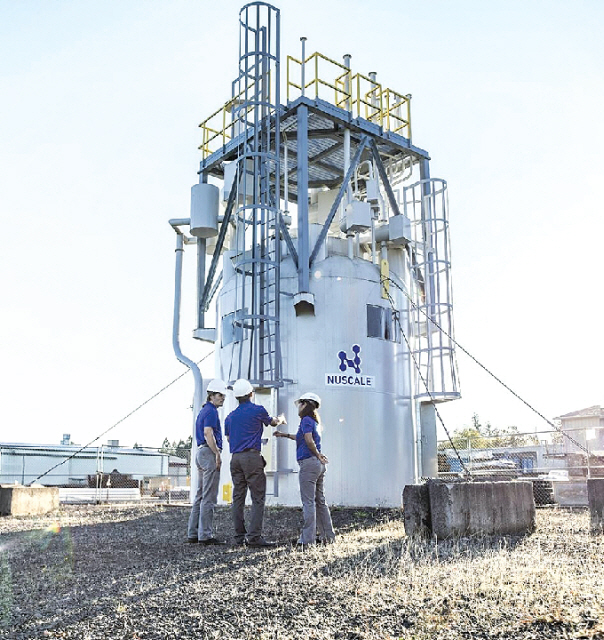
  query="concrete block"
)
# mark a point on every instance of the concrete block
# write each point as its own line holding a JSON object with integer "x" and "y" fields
{"x": 416, "y": 510}
{"x": 595, "y": 493}
{"x": 570, "y": 494}
{"x": 16, "y": 500}
{"x": 485, "y": 508}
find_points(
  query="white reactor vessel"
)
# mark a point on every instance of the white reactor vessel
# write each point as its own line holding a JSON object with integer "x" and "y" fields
{"x": 323, "y": 245}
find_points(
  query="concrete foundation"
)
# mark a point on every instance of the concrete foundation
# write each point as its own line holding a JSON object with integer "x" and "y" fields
{"x": 470, "y": 508}
{"x": 27, "y": 501}
{"x": 595, "y": 493}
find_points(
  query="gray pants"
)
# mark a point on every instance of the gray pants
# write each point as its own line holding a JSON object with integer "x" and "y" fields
{"x": 314, "y": 508}
{"x": 247, "y": 471}
{"x": 202, "y": 511}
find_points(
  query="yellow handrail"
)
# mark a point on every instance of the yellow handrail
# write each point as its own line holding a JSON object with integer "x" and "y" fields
{"x": 357, "y": 93}
{"x": 376, "y": 104}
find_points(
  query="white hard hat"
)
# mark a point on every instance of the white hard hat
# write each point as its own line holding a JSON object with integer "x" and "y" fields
{"x": 217, "y": 386}
{"x": 309, "y": 396}
{"x": 242, "y": 388}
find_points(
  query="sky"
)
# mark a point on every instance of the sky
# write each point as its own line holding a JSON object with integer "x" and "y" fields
{"x": 100, "y": 107}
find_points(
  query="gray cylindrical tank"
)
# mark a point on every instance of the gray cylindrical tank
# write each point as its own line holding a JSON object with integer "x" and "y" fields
{"x": 204, "y": 210}
{"x": 364, "y": 382}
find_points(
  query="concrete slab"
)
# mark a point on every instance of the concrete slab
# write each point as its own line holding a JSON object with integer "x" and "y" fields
{"x": 481, "y": 508}
{"x": 16, "y": 500}
{"x": 595, "y": 493}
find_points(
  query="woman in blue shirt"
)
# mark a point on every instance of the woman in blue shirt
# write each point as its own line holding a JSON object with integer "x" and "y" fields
{"x": 312, "y": 472}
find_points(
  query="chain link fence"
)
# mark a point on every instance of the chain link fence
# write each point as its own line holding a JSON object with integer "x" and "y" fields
{"x": 107, "y": 473}
{"x": 557, "y": 462}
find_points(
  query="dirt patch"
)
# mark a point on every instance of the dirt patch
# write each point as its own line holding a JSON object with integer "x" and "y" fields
{"x": 125, "y": 572}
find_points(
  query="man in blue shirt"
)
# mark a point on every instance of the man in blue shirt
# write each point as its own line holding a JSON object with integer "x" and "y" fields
{"x": 243, "y": 428}
{"x": 208, "y": 436}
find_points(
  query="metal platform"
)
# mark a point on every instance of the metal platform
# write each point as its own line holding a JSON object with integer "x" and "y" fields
{"x": 326, "y": 124}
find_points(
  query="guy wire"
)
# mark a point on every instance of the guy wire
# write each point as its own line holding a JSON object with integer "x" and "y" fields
{"x": 416, "y": 363}
{"x": 140, "y": 406}
{"x": 503, "y": 384}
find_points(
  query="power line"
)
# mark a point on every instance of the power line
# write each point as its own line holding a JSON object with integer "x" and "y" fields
{"x": 140, "y": 406}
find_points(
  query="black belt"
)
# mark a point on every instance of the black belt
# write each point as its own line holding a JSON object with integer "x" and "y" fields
{"x": 250, "y": 449}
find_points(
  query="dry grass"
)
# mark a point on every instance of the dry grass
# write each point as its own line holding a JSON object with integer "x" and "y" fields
{"x": 124, "y": 573}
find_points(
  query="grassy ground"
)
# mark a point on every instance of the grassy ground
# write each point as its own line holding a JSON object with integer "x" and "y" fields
{"x": 124, "y": 572}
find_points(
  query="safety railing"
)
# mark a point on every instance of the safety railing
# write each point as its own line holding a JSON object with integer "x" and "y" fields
{"x": 229, "y": 121}
{"x": 214, "y": 130}
{"x": 318, "y": 76}
{"x": 396, "y": 112}
{"x": 319, "y": 67}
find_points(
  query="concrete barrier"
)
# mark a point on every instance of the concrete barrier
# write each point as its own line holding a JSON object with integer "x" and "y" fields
{"x": 571, "y": 493}
{"x": 469, "y": 508}
{"x": 416, "y": 510}
{"x": 16, "y": 500}
{"x": 595, "y": 493}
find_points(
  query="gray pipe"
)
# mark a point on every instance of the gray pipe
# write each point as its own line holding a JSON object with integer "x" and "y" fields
{"x": 197, "y": 397}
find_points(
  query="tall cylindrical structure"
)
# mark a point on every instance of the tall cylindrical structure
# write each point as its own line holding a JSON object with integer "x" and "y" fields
{"x": 349, "y": 296}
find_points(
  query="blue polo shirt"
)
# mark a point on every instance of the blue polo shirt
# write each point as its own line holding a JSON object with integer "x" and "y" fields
{"x": 208, "y": 417}
{"x": 307, "y": 425}
{"x": 244, "y": 426}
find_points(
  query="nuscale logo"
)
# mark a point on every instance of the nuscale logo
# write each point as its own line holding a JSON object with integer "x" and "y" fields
{"x": 355, "y": 363}
{"x": 346, "y": 379}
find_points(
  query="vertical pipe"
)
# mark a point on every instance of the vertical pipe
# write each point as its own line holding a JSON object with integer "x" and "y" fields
{"x": 374, "y": 258}
{"x": 303, "y": 65}
{"x": 179, "y": 354}
{"x": 347, "y": 57}
{"x": 346, "y": 200}
{"x": 201, "y": 280}
{"x": 374, "y": 97}
{"x": 429, "y": 443}
{"x": 303, "y": 239}
{"x": 201, "y": 268}
{"x": 285, "y": 179}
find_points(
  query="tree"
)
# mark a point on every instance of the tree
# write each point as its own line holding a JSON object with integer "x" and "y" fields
{"x": 166, "y": 447}
{"x": 183, "y": 448}
{"x": 468, "y": 438}
{"x": 480, "y": 436}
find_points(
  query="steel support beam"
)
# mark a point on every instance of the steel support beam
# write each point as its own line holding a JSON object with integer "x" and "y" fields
{"x": 302, "y": 190}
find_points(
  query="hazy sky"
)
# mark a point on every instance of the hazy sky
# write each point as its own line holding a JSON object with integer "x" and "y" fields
{"x": 100, "y": 102}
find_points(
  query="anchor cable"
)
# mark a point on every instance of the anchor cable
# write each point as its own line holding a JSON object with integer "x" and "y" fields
{"x": 140, "y": 406}
{"x": 425, "y": 382}
{"x": 482, "y": 366}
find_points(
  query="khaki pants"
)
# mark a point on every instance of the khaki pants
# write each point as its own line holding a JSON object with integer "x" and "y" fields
{"x": 247, "y": 471}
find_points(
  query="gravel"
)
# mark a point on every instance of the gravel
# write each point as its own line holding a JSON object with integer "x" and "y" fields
{"x": 105, "y": 572}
